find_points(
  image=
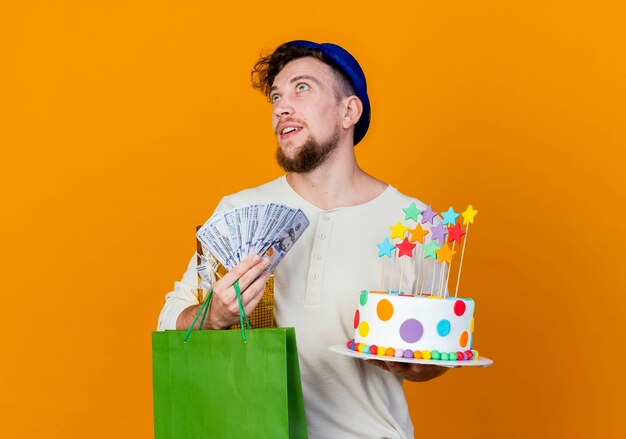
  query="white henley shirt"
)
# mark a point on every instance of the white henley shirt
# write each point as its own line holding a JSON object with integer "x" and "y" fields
{"x": 316, "y": 290}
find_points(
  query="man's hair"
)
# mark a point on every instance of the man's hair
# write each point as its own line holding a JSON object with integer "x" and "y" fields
{"x": 267, "y": 67}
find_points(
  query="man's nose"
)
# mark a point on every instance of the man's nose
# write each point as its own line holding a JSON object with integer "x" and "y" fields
{"x": 283, "y": 108}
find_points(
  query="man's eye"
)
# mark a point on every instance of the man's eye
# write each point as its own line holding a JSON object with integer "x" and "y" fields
{"x": 274, "y": 98}
{"x": 302, "y": 87}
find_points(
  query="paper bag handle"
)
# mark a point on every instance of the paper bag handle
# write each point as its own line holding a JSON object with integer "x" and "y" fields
{"x": 205, "y": 308}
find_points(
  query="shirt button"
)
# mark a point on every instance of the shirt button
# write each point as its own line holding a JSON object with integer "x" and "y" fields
{"x": 314, "y": 276}
{"x": 326, "y": 218}
{"x": 322, "y": 236}
{"x": 318, "y": 256}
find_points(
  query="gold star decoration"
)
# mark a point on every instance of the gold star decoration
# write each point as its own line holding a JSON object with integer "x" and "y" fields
{"x": 469, "y": 214}
{"x": 398, "y": 230}
{"x": 445, "y": 253}
{"x": 418, "y": 233}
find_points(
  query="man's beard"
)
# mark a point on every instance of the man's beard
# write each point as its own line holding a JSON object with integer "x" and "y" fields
{"x": 309, "y": 156}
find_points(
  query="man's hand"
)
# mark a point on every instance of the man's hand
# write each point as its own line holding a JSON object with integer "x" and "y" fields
{"x": 411, "y": 372}
{"x": 224, "y": 308}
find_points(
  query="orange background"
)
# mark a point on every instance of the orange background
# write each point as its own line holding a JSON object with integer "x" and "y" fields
{"x": 123, "y": 123}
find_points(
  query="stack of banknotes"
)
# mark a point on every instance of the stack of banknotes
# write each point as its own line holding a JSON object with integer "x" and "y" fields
{"x": 262, "y": 229}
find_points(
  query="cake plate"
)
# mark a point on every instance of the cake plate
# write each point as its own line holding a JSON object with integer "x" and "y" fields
{"x": 479, "y": 362}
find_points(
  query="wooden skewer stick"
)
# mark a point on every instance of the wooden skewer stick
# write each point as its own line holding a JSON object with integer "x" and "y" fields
{"x": 458, "y": 279}
{"x": 432, "y": 284}
{"x": 419, "y": 270}
{"x": 424, "y": 278}
{"x": 440, "y": 278}
{"x": 445, "y": 268}
{"x": 382, "y": 274}
{"x": 393, "y": 271}
{"x": 402, "y": 275}
{"x": 449, "y": 266}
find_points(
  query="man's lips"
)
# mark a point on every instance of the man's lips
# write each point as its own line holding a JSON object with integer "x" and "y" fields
{"x": 287, "y": 130}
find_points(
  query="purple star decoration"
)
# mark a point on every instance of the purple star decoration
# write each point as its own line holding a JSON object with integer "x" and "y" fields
{"x": 439, "y": 233}
{"x": 428, "y": 215}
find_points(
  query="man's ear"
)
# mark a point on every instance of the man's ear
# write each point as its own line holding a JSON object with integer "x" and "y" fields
{"x": 353, "y": 109}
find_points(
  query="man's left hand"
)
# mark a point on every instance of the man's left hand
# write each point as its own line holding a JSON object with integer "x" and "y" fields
{"x": 411, "y": 372}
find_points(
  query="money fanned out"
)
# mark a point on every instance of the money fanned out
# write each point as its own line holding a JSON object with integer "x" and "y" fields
{"x": 262, "y": 229}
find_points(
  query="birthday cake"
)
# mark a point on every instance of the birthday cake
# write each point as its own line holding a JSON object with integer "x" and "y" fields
{"x": 427, "y": 323}
{"x": 421, "y": 326}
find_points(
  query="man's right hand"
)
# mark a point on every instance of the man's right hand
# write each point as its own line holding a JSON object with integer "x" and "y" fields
{"x": 224, "y": 308}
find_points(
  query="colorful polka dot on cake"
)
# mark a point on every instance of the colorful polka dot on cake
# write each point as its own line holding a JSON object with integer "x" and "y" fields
{"x": 463, "y": 339}
{"x": 443, "y": 327}
{"x": 363, "y": 298}
{"x": 364, "y": 329}
{"x": 384, "y": 310}
{"x": 411, "y": 330}
{"x": 459, "y": 307}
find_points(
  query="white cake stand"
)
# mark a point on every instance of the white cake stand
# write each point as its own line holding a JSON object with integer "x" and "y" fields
{"x": 479, "y": 362}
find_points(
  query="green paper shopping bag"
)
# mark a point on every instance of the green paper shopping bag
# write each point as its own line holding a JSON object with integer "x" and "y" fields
{"x": 216, "y": 385}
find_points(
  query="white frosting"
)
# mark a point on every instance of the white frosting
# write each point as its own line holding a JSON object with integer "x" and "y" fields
{"x": 417, "y": 318}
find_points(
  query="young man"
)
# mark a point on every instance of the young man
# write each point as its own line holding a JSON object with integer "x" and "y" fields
{"x": 320, "y": 111}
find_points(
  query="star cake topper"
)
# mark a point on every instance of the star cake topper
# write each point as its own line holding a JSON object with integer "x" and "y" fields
{"x": 428, "y": 215}
{"x": 438, "y": 233}
{"x": 411, "y": 212}
{"x": 430, "y": 249}
{"x": 406, "y": 248}
{"x": 398, "y": 230}
{"x": 385, "y": 248}
{"x": 445, "y": 253}
{"x": 450, "y": 216}
{"x": 455, "y": 233}
{"x": 418, "y": 233}
{"x": 469, "y": 214}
